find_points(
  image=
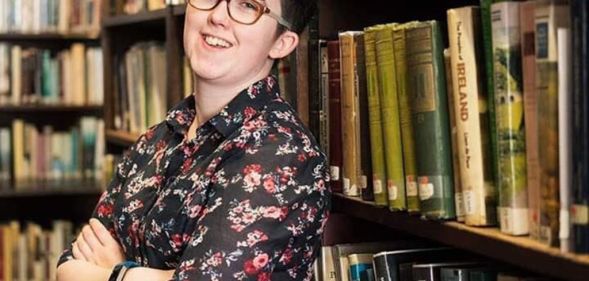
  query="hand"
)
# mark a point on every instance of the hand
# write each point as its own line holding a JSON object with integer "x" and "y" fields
{"x": 95, "y": 245}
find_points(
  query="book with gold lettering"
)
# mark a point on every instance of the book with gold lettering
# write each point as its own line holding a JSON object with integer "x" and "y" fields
{"x": 471, "y": 117}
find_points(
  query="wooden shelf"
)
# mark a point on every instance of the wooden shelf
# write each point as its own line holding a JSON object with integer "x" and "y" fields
{"x": 139, "y": 18}
{"x": 45, "y": 108}
{"x": 520, "y": 251}
{"x": 54, "y": 188}
{"x": 46, "y": 37}
{"x": 121, "y": 137}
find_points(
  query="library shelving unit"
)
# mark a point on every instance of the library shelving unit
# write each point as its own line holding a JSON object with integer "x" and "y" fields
{"x": 352, "y": 220}
{"x": 43, "y": 201}
{"x": 119, "y": 33}
{"x": 521, "y": 252}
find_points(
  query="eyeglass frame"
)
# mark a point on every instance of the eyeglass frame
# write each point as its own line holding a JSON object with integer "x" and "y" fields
{"x": 264, "y": 10}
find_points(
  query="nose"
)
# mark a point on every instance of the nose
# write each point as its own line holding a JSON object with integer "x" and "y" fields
{"x": 220, "y": 14}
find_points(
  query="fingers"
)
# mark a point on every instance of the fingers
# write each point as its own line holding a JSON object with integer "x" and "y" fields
{"x": 85, "y": 250}
{"x": 77, "y": 253}
{"x": 102, "y": 233}
{"x": 90, "y": 238}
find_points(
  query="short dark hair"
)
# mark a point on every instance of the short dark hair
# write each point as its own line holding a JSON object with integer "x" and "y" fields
{"x": 298, "y": 13}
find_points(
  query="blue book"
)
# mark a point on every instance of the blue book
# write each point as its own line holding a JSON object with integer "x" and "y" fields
{"x": 359, "y": 264}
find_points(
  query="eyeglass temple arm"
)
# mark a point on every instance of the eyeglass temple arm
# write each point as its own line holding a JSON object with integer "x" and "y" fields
{"x": 278, "y": 18}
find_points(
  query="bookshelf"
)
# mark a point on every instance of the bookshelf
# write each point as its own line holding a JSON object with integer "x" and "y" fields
{"x": 521, "y": 251}
{"x": 120, "y": 33}
{"x": 44, "y": 200}
{"x": 490, "y": 242}
{"x": 364, "y": 220}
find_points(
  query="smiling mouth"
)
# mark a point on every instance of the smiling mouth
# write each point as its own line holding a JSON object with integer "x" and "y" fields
{"x": 216, "y": 42}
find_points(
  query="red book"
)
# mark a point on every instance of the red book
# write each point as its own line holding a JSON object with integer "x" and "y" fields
{"x": 335, "y": 120}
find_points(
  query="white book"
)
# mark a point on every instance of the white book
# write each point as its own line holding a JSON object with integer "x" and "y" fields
{"x": 564, "y": 135}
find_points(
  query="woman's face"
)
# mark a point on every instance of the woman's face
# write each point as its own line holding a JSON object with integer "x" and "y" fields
{"x": 222, "y": 50}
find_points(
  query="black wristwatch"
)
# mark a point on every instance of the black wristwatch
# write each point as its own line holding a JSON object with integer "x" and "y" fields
{"x": 119, "y": 271}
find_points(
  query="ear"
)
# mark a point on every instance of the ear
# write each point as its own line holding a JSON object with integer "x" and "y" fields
{"x": 284, "y": 45}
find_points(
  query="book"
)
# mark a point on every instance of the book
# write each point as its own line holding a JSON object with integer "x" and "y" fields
{"x": 580, "y": 122}
{"x": 352, "y": 170}
{"x": 458, "y": 199}
{"x": 359, "y": 265}
{"x": 387, "y": 265}
{"x": 432, "y": 271}
{"x": 528, "y": 50}
{"x": 375, "y": 118}
{"x": 391, "y": 123}
{"x": 335, "y": 128}
{"x": 470, "y": 108}
{"x": 549, "y": 16}
{"x": 342, "y": 251}
{"x": 565, "y": 137}
{"x": 427, "y": 85}
{"x": 407, "y": 138}
{"x": 509, "y": 134}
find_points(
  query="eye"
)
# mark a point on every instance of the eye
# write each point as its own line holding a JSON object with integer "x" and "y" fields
{"x": 250, "y": 5}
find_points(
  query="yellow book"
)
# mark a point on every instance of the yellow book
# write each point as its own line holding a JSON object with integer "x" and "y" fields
{"x": 352, "y": 171}
{"x": 390, "y": 115}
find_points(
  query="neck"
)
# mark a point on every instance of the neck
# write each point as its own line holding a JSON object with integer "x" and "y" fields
{"x": 212, "y": 96}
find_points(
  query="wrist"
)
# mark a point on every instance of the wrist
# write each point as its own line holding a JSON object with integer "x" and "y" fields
{"x": 120, "y": 270}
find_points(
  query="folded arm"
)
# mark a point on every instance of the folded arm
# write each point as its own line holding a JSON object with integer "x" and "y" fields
{"x": 95, "y": 253}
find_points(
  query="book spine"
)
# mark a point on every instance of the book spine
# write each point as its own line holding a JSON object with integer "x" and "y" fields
{"x": 427, "y": 86}
{"x": 488, "y": 70}
{"x": 510, "y": 135}
{"x": 405, "y": 119}
{"x": 366, "y": 187}
{"x": 458, "y": 199}
{"x": 375, "y": 120}
{"x": 381, "y": 268}
{"x": 564, "y": 136}
{"x": 335, "y": 125}
{"x": 528, "y": 48}
{"x": 391, "y": 126}
{"x": 324, "y": 95}
{"x": 315, "y": 78}
{"x": 549, "y": 16}
{"x": 350, "y": 115}
{"x": 471, "y": 115}
{"x": 580, "y": 208}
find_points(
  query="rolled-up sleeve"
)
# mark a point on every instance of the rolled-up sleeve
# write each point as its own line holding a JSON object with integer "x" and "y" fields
{"x": 263, "y": 218}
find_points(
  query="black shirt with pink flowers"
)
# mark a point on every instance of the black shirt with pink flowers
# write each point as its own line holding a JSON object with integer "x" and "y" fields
{"x": 246, "y": 199}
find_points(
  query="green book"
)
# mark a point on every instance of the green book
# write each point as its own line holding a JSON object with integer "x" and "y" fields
{"x": 490, "y": 86}
{"x": 410, "y": 167}
{"x": 375, "y": 120}
{"x": 427, "y": 87}
{"x": 391, "y": 125}
{"x": 509, "y": 108}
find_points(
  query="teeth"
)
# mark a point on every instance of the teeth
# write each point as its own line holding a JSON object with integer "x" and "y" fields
{"x": 214, "y": 41}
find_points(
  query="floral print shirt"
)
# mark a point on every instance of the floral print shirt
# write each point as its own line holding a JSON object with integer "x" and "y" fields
{"x": 246, "y": 199}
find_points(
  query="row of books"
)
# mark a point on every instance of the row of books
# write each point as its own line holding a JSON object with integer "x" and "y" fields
{"x": 141, "y": 101}
{"x": 81, "y": 17}
{"x": 414, "y": 130}
{"x": 130, "y": 7}
{"x": 72, "y": 76}
{"x": 31, "y": 153}
{"x": 31, "y": 253}
{"x": 408, "y": 261}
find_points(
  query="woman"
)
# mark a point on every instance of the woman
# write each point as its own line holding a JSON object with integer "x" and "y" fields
{"x": 230, "y": 185}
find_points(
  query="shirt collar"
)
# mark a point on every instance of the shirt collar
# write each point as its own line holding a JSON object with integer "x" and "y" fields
{"x": 238, "y": 111}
